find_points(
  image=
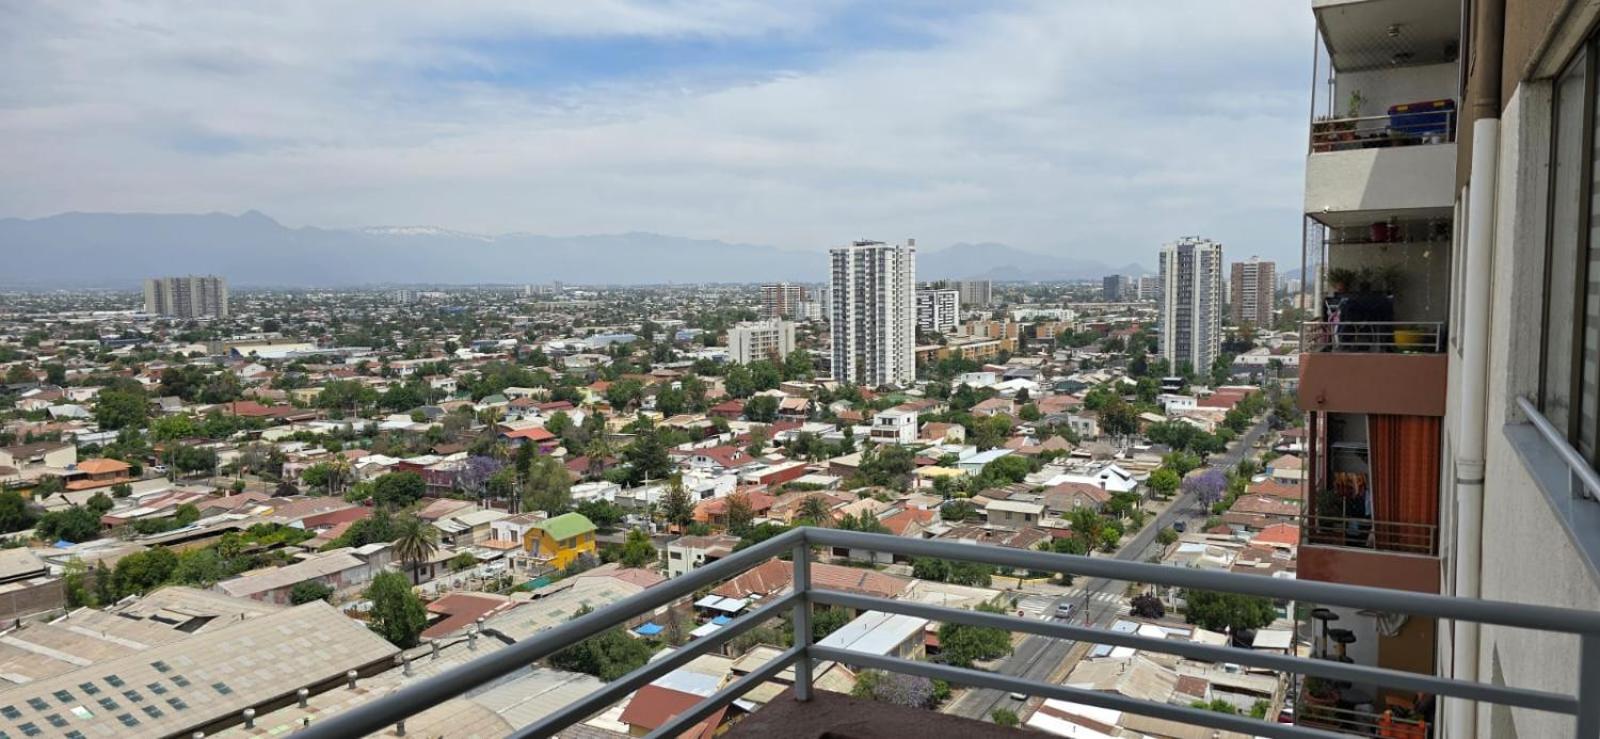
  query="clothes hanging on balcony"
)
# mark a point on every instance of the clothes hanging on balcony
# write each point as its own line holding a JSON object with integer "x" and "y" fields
{"x": 1405, "y": 480}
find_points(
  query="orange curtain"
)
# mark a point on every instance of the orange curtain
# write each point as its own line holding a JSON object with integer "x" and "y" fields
{"x": 1405, "y": 480}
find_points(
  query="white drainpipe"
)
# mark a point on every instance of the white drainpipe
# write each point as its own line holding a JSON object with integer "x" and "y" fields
{"x": 1469, "y": 452}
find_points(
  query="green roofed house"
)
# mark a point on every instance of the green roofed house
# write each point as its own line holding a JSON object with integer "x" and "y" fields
{"x": 558, "y": 541}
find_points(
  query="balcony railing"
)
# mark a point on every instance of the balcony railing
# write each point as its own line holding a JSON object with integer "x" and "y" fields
{"x": 1583, "y": 704}
{"x": 1413, "y": 337}
{"x": 1365, "y": 533}
{"x": 1358, "y": 722}
{"x": 1403, "y": 126}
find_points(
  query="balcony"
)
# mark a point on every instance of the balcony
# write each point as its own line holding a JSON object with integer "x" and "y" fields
{"x": 1390, "y": 367}
{"x": 806, "y": 713}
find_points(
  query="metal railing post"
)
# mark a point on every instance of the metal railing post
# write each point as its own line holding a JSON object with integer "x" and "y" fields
{"x": 802, "y": 620}
{"x": 1588, "y": 687}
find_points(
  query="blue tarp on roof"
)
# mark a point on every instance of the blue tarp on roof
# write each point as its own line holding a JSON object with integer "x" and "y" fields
{"x": 649, "y": 628}
{"x": 721, "y": 620}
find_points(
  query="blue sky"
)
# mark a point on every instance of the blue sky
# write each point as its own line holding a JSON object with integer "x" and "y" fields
{"x": 1093, "y": 129}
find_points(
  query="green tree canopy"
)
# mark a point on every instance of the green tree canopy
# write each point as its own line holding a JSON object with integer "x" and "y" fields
{"x": 397, "y": 613}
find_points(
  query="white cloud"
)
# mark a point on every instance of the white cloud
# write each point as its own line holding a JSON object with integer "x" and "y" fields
{"x": 1099, "y": 128}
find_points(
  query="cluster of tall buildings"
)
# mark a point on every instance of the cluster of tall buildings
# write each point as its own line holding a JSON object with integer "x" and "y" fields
{"x": 186, "y": 297}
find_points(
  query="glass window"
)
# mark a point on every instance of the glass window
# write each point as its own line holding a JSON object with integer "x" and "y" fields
{"x": 1567, "y": 163}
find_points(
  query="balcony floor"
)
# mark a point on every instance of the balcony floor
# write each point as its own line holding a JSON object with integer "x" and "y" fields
{"x": 838, "y": 716}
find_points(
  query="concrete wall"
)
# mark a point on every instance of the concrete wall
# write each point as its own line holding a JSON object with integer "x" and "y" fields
{"x": 1527, "y": 557}
{"x": 1396, "y": 178}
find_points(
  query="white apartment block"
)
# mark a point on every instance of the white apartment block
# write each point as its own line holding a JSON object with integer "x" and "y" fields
{"x": 186, "y": 297}
{"x": 1190, "y": 316}
{"x": 755, "y": 340}
{"x": 895, "y": 426}
{"x": 873, "y": 313}
{"x": 938, "y": 311}
{"x": 1149, "y": 288}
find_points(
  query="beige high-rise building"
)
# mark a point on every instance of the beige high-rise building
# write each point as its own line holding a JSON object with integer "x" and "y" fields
{"x": 1190, "y": 317}
{"x": 1254, "y": 288}
{"x": 186, "y": 297}
{"x": 750, "y": 341}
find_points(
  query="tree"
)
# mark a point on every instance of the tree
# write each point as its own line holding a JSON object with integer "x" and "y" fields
{"x": 201, "y": 568}
{"x": 961, "y": 645}
{"x": 105, "y": 589}
{"x": 740, "y": 513}
{"x": 677, "y": 509}
{"x": 865, "y": 523}
{"x": 142, "y": 572}
{"x": 398, "y": 489}
{"x": 1004, "y": 717}
{"x": 603, "y": 513}
{"x": 761, "y": 409}
{"x": 1008, "y": 469}
{"x": 14, "y": 512}
{"x": 1119, "y": 419}
{"x": 118, "y": 409}
{"x": 549, "y": 487}
{"x": 647, "y": 457}
{"x": 309, "y": 590}
{"x": 1166, "y": 536}
{"x": 889, "y": 466}
{"x": 415, "y": 541}
{"x": 1147, "y": 605}
{"x": 397, "y": 613}
{"x": 607, "y": 655}
{"x": 74, "y": 580}
{"x": 814, "y": 511}
{"x": 894, "y": 688}
{"x": 1206, "y": 486}
{"x": 637, "y": 549}
{"x": 75, "y": 524}
{"x": 1230, "y": 612}
{"x": 1164, "y": 482}
{"x": 623, "y": 393}
{"x": 798, "y": 366}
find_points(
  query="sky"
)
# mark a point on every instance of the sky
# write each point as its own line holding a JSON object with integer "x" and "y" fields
{"x": 1095, "y": 128}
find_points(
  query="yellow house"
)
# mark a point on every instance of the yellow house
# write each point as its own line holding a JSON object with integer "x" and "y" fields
{"x": 558, "y": 542}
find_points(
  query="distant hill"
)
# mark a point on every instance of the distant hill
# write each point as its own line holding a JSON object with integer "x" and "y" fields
{"x": 252, "y": 249}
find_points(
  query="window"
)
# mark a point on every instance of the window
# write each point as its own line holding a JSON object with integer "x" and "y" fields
{"x": 153, "y": 712}
{"x": 177, "y": 704}
{"x": 127, "y": 719}
{"x": 63, "y": 696}
{"x": 89, "y": 688}
{"x": 108, "y": 704}
{"x": 38, "y": 704}
{"x": 180, "y": 681}
{"x": 1569, "y": 387}
{"x": 56, "y": 720}
{"x": 161, "y": 666}
{"x": 30, "y": 729}
{"x": 133, "y": 695}
{"x": 157, "y": 688}
{"x": 222, "y": 688}
{"x": 10, "y": 712}
{"x": 114, "y": 681}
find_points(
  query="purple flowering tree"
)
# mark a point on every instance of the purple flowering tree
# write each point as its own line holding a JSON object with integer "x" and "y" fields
{"x": 474, "y": 473}
{"x": 895, "y": 688}
{"x": 1207, "y": 486}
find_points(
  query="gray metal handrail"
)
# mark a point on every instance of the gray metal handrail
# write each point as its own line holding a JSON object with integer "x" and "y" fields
{"x": 1422, "y": 337}
{"x": 1586, "y": 480}
{"x": 1584, "y": 704}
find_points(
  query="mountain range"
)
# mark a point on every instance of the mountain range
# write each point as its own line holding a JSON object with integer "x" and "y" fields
{"x": 251, "y": 249}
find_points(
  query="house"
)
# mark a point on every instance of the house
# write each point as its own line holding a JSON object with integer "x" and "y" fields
{"x": 653, "y": 705}
{"x": 558, "y": 542}
{"x": 715, "y": 510}
{"x": 1063, "y": 498}
{"x": 53, "y": 454}
{"x": 536, "y": 435}
{"x": 1014, "y": 514}
{"x": 1287, "y": 469}
{"x": 943, "y": 433}
{"x": 895, "y": 426}
{"x": 98, "y": 473}
{"x": 995, "y": 407}
{"x": 514, "y": 528}
{"x": 687, "y": 553}
{"x": 882, "y": 634}
{"x": 718, "y": 458}
{"x": 340, "y": 569}
{"x": 974, "y": 464}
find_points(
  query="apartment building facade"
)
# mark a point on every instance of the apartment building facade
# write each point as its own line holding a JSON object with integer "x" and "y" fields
{"x": 749, "y": 341}
{"x": 975, "y": 293}
{"x": 873, "y": 312}
{"x": 186, "y": 297}
{"x": 938, "y": 310}
{"x": 1254, "y": 288}
{"x": 1116, "y": 288}
{"x": 782, "y": 300}
{"x": 1190, "y": 315}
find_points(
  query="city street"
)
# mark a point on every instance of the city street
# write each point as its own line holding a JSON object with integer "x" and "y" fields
{"x": 1038, "y": 657}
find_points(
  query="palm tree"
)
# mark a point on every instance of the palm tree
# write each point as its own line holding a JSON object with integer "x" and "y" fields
{"x": 417, "y": 541}
{"x": 814, "y": 511}
{"x": 596, "y": 453}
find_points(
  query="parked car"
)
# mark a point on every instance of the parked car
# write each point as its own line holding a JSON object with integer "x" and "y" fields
{"x": 1066, "y": 610}
{"x": 1180, "y": 526}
